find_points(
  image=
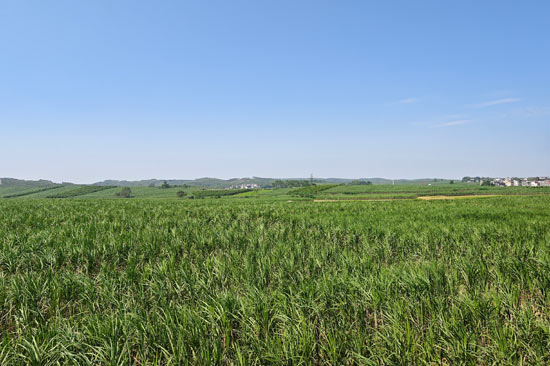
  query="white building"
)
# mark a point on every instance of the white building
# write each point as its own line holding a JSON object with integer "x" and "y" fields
{"x": 246, "y": 186}
{"x": 521, "y": 182}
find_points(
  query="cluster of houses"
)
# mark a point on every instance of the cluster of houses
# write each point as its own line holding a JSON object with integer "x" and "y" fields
{"x": 246, "y": 186}
{"x": 521, "y": 182}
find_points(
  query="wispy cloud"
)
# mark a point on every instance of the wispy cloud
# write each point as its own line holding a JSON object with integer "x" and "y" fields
{"x": 535, "y": 111}
{"x": 452, "y": 123}
{"x": 453, "y": 116}
{"x": 495, "y": 102}
{"x": 407, "y": 101}
{"x": 528, "y": 112}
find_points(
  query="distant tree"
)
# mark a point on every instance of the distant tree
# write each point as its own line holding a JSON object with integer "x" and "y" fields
{"x": 357, "y": 182}
{"x": 452, "y": 182}
{"x": 181, "y": 194}
{"x": 125, "y": 192}
{"x": 291, "y": 183}
{"x": 152, "y": 185}
{"x": 165, "y": 185}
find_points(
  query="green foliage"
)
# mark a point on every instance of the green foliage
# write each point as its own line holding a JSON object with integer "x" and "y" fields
{"x": 11, "y": 182}
{"x": 242, "y": 282}
{"x": 82, "y": 190}
{"x": 31, "y": 191}
{"x": 165, "y": 185}
{"x": 410, "y": 191}
{"x": 290, "y": 183}
{"x": 342, "y": 191}
{"x": 181, "y": 194}
{"x": 311, "y": 191}
{"x": 218, "y": 192}
{"x": 360, "y": 183}
{"x": 125, "y": 192}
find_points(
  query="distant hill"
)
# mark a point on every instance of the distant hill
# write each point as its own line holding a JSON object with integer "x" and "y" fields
{"x": 12, "y": 182}
{"x": 200, "y": 182}
{"x": 407, "y": 181}
{"x": 262, "y": 182}
{"x": 209, "y": 182}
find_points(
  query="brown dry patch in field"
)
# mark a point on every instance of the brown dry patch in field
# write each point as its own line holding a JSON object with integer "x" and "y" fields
{"x": 361, "y": 199}
{"x": 429, "y": 198}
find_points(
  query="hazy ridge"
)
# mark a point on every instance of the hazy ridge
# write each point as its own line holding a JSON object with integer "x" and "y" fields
{"x": 205, "y": 182}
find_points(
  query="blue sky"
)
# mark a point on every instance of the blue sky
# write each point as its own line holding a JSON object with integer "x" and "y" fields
{"x": 91, "y": 90}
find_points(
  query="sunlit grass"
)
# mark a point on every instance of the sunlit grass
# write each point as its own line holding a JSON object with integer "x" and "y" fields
{"x": 249, "y": 282}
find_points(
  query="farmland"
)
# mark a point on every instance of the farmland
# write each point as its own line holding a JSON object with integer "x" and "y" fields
{"x": 320, "y": 191}
{"x": 254, "y": 279}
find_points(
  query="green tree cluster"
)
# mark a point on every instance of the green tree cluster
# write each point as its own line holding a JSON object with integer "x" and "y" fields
{"x": 291, "y": 183}
{"x": 125, "y": 192}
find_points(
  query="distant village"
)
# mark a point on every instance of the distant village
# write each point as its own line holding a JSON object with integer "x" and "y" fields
{"x": 521, "y": 182}
{"x": 245, "y": 186}
{"x": 511, "y": 182}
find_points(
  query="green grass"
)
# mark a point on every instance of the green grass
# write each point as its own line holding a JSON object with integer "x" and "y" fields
{"x": 311, "y": 191}
{"x": 28, "y": 191}
{"x": 19, "y": 191}
{"x": 139, "y": 192}
{"x": 240, "y": 281}
{"x": 413, "y": 191}
{"x": 44, "y": 194}
{"x": 4, "y": 191}
{"x": 321, "y": 191}
{"x": 266, "y": 194}
{"x": 79, "y": 191}
{"x": 218, "y": 192}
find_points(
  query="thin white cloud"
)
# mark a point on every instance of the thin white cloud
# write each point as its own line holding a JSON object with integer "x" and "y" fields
{"x": 453, "y": 116}
{"x": 407, "y": 101}
{"x": 452, "y": 123}
{"x": 495, "y": 102}
{"x": 535, "y": 112}
{"x": 528, "y": 112}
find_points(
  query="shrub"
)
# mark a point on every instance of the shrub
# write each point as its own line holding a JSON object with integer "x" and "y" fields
{"x": 125, "y": 192}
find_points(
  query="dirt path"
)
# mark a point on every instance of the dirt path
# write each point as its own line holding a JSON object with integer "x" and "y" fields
{"x": 423, "y": 198}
